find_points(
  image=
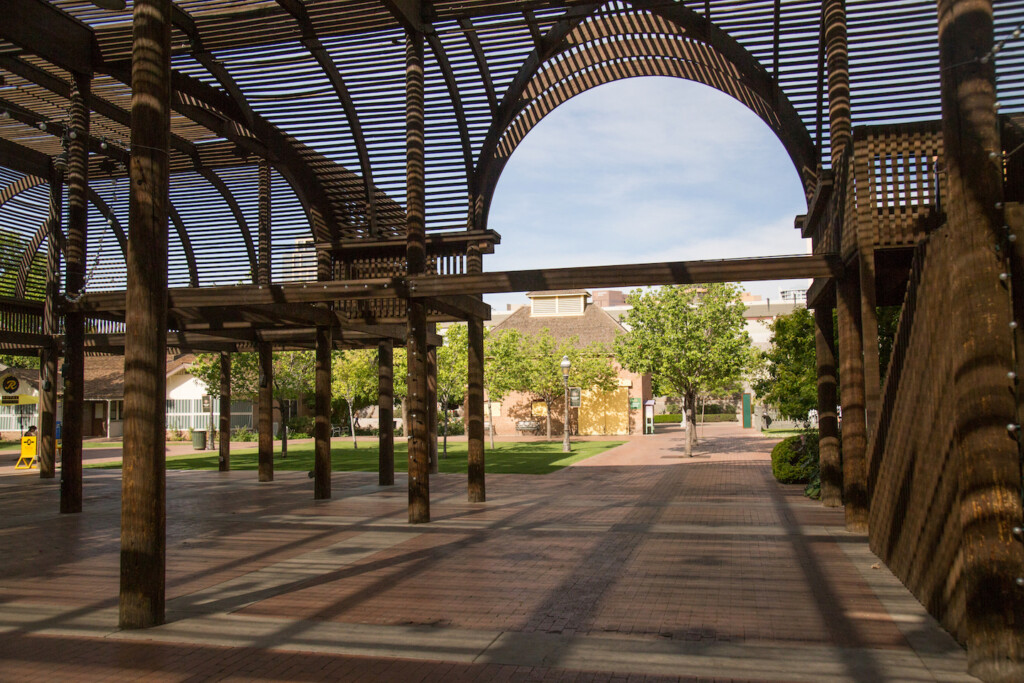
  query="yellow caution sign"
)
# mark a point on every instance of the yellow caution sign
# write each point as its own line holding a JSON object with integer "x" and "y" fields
{"x": 28, "y": 453}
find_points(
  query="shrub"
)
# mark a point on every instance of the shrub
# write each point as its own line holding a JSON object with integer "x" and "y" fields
{"x": 455, "y": 428}
{"x": 708, "y": 417}
{"x": 243, "y": 434}
{"x": 795, "y": 460}
{"x": 302, "y": 424}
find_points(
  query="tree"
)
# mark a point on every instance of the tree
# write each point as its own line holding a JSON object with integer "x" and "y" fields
{"x": 293, "y": 376}
{"x": 690, "y": 338}
{"x": 789, "y": 382}
{"x": 591, "y": 368}
{"x": 452, "y": 372}
{"x": 504, "y": 366}
{"x": 354, "y": 378}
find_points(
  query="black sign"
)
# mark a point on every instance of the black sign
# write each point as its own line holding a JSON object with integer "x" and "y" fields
{"x": 11, "y": 384}
{"x": 206, "y": 404}
{"x": 8, "y": 400}
{"x": 574, "y": 397}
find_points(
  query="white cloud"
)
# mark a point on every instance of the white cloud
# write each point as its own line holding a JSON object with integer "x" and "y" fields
{"x": 646, "y": 170}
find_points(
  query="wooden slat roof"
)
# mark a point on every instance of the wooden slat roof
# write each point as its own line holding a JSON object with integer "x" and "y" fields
{"x": 318, "y": 88}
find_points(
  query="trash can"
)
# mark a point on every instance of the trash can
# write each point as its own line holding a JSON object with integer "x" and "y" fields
{"x": 199, "y": 439}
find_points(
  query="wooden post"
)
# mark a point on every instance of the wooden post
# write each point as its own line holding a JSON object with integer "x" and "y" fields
{"x": 266, "y": 410}
{"x": 385, "y": 413}
{"x": 224, "y": 461}
{"x": 416, "y": 344}
{"x": 837, "y": 57}
{"x": 143, "y": 488}
{"x": 74, "y": 323}
{"x": 869, "y": 330}
{"x": 991, "y": 559}
{"x": 48, "y": 360}
{"x": 477, "y": 489}
{"x": 322, "y": 425}
{"x": 828, "y": 425}
{"x": 851, "y": 377}
{"x": 432, "y": 406}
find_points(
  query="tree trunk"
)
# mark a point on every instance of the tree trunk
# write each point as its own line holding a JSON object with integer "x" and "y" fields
{"x": 547, "y": 416}
{"x": 351, "y": 422}
{"x": 405, "y": 417}
{"x": 690, "y": 414}
{"x": 444, "y": 447}
{"x": 490, "y": 421}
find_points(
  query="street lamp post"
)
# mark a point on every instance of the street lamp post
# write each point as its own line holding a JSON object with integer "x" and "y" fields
{"x": 566, "y": 364}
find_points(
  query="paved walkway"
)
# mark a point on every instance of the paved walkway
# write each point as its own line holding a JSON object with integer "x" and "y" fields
{"x": 639, "y": 564}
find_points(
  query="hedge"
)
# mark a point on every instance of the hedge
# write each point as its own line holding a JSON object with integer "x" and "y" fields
{"x": 795, "y": 460}
{"x": 676, "y": 419}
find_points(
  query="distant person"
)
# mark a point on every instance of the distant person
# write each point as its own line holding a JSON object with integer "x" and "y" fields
{"x": 31, "y": 431}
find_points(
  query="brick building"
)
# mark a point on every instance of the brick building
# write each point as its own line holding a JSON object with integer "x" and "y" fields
{"x": 566, "y": 314}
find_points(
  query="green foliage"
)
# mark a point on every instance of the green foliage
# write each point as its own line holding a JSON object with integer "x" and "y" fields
{"x": 453, "y": 365}
{"x": 709, "y": 417}
{"x": 505, "y": 363}
{"x": 30, "y": 362}
{"x": 533, "y": 363}
{"x": 354, "y": 379}
{"x": 455, "y": 427}
{"x": 789, "y": 381}
{"x": 795, "y": 460}
{"x": 692, "y": 340}
{"x": 507, "y": 458}
{"x": 244, "y": 434}
{"x": 888, "y": 320}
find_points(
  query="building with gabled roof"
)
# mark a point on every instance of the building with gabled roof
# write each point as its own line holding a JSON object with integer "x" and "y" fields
{"x": 566, "y": 314}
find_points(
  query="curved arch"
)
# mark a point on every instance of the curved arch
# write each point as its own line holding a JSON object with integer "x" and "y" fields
{"x": 597, "y": 50}
{"x": 31, "y": 250}
{"x": 229, "y": 198}
{"x": 26, "y": 182}
{"x": 186, "y": 245}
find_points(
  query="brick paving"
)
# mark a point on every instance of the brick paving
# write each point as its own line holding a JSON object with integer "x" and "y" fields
{"x": 637, "y": 564}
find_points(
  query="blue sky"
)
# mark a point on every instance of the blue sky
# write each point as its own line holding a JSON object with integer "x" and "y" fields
{"x": 646, "y": 170}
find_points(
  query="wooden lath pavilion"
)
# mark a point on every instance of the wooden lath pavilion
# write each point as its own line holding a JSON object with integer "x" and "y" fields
{"x": 222, "y": 175}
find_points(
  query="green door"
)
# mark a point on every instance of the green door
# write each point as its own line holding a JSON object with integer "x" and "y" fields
{"x": 746, "y": 411}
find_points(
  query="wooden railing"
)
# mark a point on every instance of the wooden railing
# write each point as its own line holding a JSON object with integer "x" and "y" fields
{"x": 898, "y": 185}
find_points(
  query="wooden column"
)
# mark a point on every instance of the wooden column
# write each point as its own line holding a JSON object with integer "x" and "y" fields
{"x": 869, "y": 331}
{"x": 416, "y": 344}
{"x": 263, "y": 228}
{"x": 74, "y": 323}
{"x": 143, "y": 487}
{"x": 989, "y": 465}
{"x": 828, "y": 425}
{"x": 432, "y": 406}
{"x": 224, "y": 461}
{"x": 837, "y": 58}
{"x": 386, "y": 413}
{"x": 851, "y": 377}
{"x": 475, "y": 392}
{"x": 266, "y": 411}
{"x": 48, "y": 359}
{"x": 322, "y": 425}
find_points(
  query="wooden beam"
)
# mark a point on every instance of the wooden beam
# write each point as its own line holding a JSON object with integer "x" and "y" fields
{"x": 668, "y": 273}
{"x": 461, "y": 306}
{"x": 409, "y": 13}
{"x": 453, "y": 240}
{"x": 33, "y": 25}
{"x": 24, "y": 159}
{"x": 430, "y": 286}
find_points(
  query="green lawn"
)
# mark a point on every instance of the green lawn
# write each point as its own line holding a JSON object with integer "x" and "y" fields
{"x": 783, "y": 433}
{"x": 11, "y": 445}
{"x": 504, "y": 458}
